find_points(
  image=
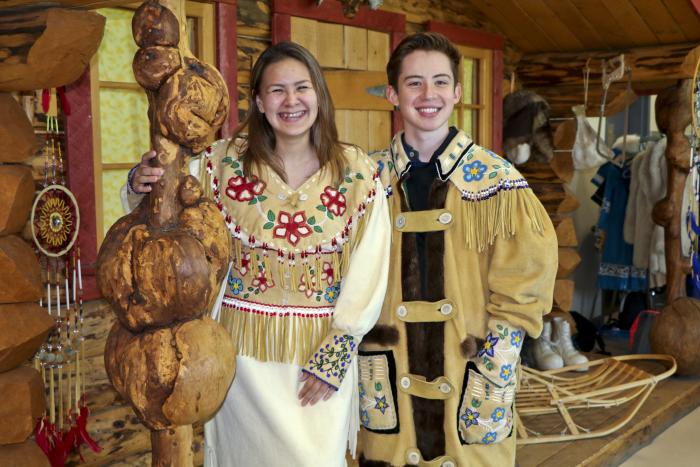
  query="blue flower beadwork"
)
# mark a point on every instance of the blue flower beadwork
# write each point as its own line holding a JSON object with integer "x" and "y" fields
{"x": 506, "y": 372}
{"x": 235, "y": 284}
{"x": 474, "y": 171}
{"x": 498, "y": 414}
{"x": 489, "y": 345}
{"x": 470, "y": 417}
{"x": 331, "y": 293}
{"x": 516, "y": 339}
{"x": 489, "y": 437}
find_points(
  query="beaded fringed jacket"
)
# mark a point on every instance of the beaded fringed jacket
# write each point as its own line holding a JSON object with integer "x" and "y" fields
{"x": 438, "y": 372}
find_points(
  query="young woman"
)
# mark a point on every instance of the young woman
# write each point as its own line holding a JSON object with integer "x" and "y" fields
{"x": 311, "y": 236}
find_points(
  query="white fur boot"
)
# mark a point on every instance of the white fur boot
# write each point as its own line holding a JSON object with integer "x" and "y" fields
{"x": 545, "y": 357}
{"x": 563, "y": 345}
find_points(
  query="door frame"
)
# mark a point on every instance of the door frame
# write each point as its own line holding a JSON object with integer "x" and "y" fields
{"x": 331, "y": 11}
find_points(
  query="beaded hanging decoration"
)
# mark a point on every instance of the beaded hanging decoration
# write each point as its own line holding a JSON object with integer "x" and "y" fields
{"x": 55, "y": 221}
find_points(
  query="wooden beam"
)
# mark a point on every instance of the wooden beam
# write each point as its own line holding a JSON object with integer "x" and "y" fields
{"x": 466, "y": 36}
{"x": 227, "y": 59}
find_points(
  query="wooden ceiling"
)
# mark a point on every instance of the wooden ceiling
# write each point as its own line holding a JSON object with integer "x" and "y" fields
{"x": 85, "y": 4}
{"x": 535, "y": 26}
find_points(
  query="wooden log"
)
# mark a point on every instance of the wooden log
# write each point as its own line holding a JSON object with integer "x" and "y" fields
{"x": 554, "y": 197}
{"x": 23, "y": 403}
{"x": 59, "y": 55}
{"x": 563, "y": 165}
{"x": 673, "y": 115}
{"x": 25, "y": 454}
{"x": 16, "y": 197}
{"x": 16, "y": 132}
{"x": 569, "y": 259}
{"x": 676, "y": 332}
{"x": 666, "y": 62}
{"x": 563, "y": 294}
{"x": 565, "y": 230}
{"x": 538, "y": 171}
{"x": 24, "y": 328}
{"x": 569, "y": 203}
{"x": 20, "y": 277}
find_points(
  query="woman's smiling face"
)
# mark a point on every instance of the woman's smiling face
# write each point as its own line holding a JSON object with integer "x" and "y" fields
{"x": 288, "y": 99}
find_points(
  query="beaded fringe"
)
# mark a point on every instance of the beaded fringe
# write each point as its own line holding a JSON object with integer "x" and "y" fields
{"x": 274, "y": 338}
{"x": 485, "y": 220}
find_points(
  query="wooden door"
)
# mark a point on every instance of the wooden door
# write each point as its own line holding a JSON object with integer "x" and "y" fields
{"x": 354, "y": 62}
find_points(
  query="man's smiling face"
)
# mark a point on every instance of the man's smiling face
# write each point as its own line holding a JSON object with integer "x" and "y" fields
{"x": 426, "y": 93}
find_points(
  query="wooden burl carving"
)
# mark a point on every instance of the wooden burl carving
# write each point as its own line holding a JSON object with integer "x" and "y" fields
{"x": 160, "y": 267}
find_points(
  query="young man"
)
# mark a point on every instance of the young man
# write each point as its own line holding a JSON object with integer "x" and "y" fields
{"x": 474, "y": 257}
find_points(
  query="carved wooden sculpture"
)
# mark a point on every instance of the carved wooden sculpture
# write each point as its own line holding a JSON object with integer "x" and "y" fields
{"x": 677, "y": 328}
{"x": 161, "y": 266}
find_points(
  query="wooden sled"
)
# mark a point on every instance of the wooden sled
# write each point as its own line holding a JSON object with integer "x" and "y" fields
{"x": 609, "y": 382}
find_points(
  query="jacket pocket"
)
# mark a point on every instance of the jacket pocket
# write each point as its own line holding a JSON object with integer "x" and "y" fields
{"x": 377, "y": 387}
{"x": 486, "y": 410}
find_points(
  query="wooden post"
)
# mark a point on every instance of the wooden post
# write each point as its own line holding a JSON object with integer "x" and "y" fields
{"x": 673, "y": 115}
{"x": 172, "y": 447}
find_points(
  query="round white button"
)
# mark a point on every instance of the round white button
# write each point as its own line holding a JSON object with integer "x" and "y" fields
{"x": 445, "y": 388}
{"x": 445, "y": 218}
{"x": 282, "y": 196}
{"x": 447, "y": 464}
{"x": 400, "y": 222}
{"x": 401, "y": 311}
{"x": 446, "y": 309}
{"x": 413, "y": 458}
{"x": 303, "y": 196}
{"x": 405, "y": 382}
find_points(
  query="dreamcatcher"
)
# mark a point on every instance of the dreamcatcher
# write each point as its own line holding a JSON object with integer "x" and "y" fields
{"x": 55, "y": 220}
{"x": 694, "y": 205}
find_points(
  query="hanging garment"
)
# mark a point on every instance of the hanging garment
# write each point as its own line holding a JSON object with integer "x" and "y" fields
{"x": 526, "y": 128}
{"x": 584, "y": 152}
{"x": 647, "y": 187}
{"x": 616, "y": 270}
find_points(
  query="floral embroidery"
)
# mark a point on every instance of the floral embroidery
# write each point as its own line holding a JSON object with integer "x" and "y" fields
{"x": 516, "y": 339}
{"x": 331, "y": 362}
{"x": 331, "y": 293}
{"x": 308, "y": 291}
{"x": 470, "y": 417}
{"x": 263, "y": 283}
{"x": 291, "y": 226}
{"x": 380, "y": 166}
{"x": 364, "y": 418}
{"x": 506, "y": 372}
{"x": 327, "y": 273}
{"x": 245, "y": 264}
{"x": 381, "y": 404}
{"x": 489, "y": 345}
{"x": 489, "y": 437}
{"x": 498, "y": 414}
{"x": 245, "y": 189}
{"x": 474, "y": 171}
{"x": 235, "y": 284}
{"x": 363, "y": 392}
{"x": 333, "y": 200}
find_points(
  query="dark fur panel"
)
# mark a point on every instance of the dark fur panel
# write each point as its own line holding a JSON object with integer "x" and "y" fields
{"x": 410, "y": 275}
{"x": 382, "y": 334}
{"x": 470, "y": 346}
{"x": 364, "y": 462}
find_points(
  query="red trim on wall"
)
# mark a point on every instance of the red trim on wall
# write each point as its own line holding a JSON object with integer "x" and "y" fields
{"x": 81, "y": 176}
{"x": 281, "y": 28}
{"x": 483, "y": 40}
{"x": 332, "y": 12}
{"x": 227, "y": 59}
{"x": 466, "y": 36}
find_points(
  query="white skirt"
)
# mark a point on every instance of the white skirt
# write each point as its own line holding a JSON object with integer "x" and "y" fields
{"x": 262, "y": 422}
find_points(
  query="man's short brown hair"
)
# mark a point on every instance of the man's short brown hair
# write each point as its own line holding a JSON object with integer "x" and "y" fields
{"x": 426, "y": 41}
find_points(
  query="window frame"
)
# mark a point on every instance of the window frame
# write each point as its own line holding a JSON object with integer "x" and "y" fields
{"x": 82, "y": 163}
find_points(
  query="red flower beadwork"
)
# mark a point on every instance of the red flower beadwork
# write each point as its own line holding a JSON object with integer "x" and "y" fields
{"x": 244, "y": 189}
{"x": 333, "y": 200}
{"x": 327, "y": 273}
{"x": 291, "y": 226}
{"x": 263, "y": 283}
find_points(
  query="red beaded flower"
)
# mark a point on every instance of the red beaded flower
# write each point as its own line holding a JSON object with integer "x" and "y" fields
{"x": 333, "y": 200}
{"x": 291, "y": 226}
{"x": 244, "y": 189}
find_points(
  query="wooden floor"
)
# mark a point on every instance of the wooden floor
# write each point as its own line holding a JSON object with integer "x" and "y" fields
{"x": 669, "y": 402}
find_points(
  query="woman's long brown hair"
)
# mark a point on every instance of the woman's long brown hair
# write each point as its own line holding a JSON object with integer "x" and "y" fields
{"x": 259, "y": 144}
